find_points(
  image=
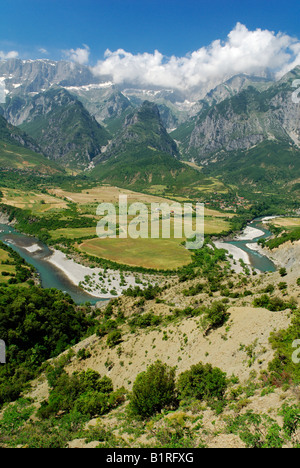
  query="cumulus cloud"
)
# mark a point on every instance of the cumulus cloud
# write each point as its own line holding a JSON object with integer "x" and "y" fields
{"x": 43, "y": 51}
{"x": 80, "y": 56}
{"x": 243, "y": 51}
{"x": 8, "y": 55}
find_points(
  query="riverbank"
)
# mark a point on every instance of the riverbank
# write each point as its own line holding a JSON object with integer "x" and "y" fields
{"x": 243, "y": 249}
{"x": 104, "y": 284}
{"x": 249, "y": 233}
{"x": 234, "y": 256}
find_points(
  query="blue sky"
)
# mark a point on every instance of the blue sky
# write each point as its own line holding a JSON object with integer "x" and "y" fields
{"x": 170, "y": 43}
{"x": 174, "y": 27}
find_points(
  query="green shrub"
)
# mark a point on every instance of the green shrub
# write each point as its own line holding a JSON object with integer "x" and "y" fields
{"x": 86, "y": 392}
{"x": 274, "y": 304}
{"x": 202, "y": 382}
{"x": 153, "y": 390}
{"x": 114, "y": 338}
{"x": 144, "y": 321}
{"x": 216, "y": 315}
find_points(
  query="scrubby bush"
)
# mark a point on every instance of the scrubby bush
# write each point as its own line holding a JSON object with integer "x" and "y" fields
{"x": 153, "y": 390}
{"x": 86, "y": 392}
{"x": 274, "y": 304}
{"x": 144, "y": 321}
{"x": 202, "y": 382}
{"x": 215, "y": 316}
{"x": 114, "y": 338}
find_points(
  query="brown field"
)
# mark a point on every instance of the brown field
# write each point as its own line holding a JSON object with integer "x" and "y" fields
{"x": 287, "y": 222}
{"x": 35, "y": 201}
{"x": 107, "y": 194}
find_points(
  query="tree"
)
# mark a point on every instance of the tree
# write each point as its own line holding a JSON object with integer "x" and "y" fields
{"x": 202, "y": 382}
{"x": 282, "y": 272}
{"x": 114, "y": 338}
{"x": 153, "y": 390}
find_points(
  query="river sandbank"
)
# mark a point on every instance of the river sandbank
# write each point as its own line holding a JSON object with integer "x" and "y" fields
{"x": 249, "y": 233}
{"x": 98, "y": 282}
{"x": 236, "y": 254}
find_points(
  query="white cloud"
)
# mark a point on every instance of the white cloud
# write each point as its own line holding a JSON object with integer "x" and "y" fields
{"x": 8, "y": 55}
{"x": 43, "y": 51}
{"x": 80, "y": 56}
{"x": 244, "y": 51}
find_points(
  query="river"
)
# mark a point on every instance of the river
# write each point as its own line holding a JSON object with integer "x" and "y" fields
{"x": 36, "y": 253}
{"x": 50, "y": 276}
{"x": 257, "y": 261}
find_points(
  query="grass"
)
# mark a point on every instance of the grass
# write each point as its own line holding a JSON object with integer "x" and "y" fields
{"x": 215, "y": 225}
{"x": 147, "y": 253}
{"x": 70, "y": 233}
{"x": 4, "y": 256}
{"x": 17, "y": 157}
{"x": 287, "y": 223}
{"x": 36, "y": 202}
{"x": 106, "y": 194}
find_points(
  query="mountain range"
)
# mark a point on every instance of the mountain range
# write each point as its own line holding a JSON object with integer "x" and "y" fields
{"x": 119, "y": 133}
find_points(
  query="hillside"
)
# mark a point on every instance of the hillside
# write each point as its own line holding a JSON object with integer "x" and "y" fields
{"x": 66, "y": 132}
{"x": 143, "y": 154}
{"x": 259, "y": 407}
{"x": 272, "y": 166}
{"x": 19, "y": 151}
{"x": 242, "y": 121}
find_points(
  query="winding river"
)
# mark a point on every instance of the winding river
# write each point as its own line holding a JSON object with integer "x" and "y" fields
{"x": 257, "y": 260}
{"x": 36, "y": 253}
{"x": 50, "y": 276}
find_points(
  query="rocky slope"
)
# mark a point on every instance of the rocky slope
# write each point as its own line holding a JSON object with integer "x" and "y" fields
{"x": 143, "y": 154}
{"x": 241, "y": 348}
{"x": 66, "y": 132}
{"x": 243, "y": 121}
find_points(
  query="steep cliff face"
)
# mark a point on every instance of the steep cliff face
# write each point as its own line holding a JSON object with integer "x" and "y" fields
{"x": 66, "y": 132}
{"x": 34, "y": 76}
{"x": 238, "y": 123}
{"x": 243, "y": 120}
{"x": 142, "y": 128}
{"x": 144, "y": 154}
{"x": 286, "y": 255}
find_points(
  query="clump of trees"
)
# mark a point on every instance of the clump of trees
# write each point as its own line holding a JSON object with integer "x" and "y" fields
{"x": 153, "y": 390}
{"x": 36, "y": 324}
{"x": 84, "y": 392}
{"x": 157, "y": 388}
{"x": 274, "y": 304}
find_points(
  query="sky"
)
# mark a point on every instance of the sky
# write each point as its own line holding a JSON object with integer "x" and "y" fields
{"x": 165, "y": 41}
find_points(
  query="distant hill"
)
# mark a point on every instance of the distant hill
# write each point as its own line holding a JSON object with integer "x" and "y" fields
{"x": 143, "y": 154}
{"x": 65, "y": 130}
{"x": 242, "y": 121}
{"x": 19, "y": 151}
{"x": 268, "y": 165}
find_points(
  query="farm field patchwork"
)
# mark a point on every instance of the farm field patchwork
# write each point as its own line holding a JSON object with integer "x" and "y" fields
{"x": 148, "y": 253}
{"x": 36, "y": 202}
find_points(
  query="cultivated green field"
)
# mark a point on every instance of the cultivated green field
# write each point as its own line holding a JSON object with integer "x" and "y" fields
{"x": 70, "y": 215}
{"x": 35, "y": 201}
{"x": 147, "y": 253}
